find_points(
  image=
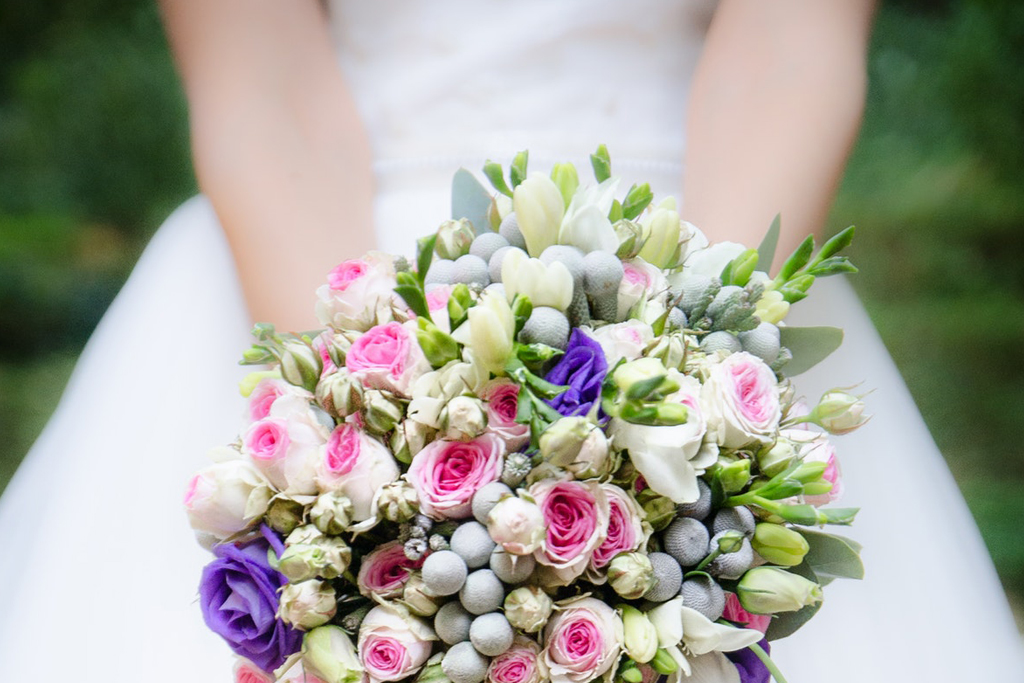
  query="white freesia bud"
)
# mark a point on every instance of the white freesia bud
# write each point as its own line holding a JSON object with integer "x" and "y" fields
{"x": 489, "y": 334}
{"x": 578, "y": 445}
{"x": 308, "y": 604}
{"x": 329, "y": 652}
{"x": 545, "y": 285}
{"x": 539, "y": 209}
{"x": 226, "y": 498}
{"x": 640, "y": 638}
{"x": 586, "y": 225}
{"x": 771, "y": 307}
{"x": 661, "y": 233}
{"x": 768, "y": 590}
{"x": 463, "y": 418}
{"x": 527, "y": 608}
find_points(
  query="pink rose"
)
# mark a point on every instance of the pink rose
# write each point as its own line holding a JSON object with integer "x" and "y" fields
{"x": 502, "y": 397}
{"x": 269, "y": 390}
{"x": 517, "y": 525}
{"x": 247, "y": 672}
{"x": 741, "y": 400}
{"x": 385, "y": 571}
{"x": 286, "y": 444}
{"x": 446, "y": 474}
{"x": 625, "y": 527}
{"x": 387, "y": 357}
{"x": 358, "y": 293}
{"x": 814, "y": 446}
{"x": 392, "y": 645}
{"x": 582, "y": 641}
{"x": 576, "y": 520}
{"x": 734, "y": 612}
{"x": 623, "y": 340}
{"x": 226, "y": 498}
{"x": 518, "y": 664}
{"x": 639, "y": 279}
{"x": 437, "y": 304}
{"x": 358, "y": 465}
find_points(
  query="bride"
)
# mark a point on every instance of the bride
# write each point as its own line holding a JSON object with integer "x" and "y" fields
{"x": 297, "y": 159}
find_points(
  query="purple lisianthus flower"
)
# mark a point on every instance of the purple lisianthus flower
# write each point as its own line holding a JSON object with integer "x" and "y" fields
{"x": 238, "y": 598}
{"x": 749, "y": 666}
{"x": 582, "y": 368}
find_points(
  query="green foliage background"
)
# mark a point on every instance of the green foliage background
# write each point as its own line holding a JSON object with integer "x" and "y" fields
{"x": 94, "y": 154}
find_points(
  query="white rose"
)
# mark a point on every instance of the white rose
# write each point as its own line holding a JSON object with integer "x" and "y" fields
{"x": 358, "y": 294}
{"x": 622, "y": 340}
{"x": 226, "y": 498}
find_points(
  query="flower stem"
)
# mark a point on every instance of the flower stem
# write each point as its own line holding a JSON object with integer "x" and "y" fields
{"x": 769, "y": 664}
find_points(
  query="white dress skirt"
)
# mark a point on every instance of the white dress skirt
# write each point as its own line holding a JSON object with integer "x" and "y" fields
{"x": 98, "y": 567}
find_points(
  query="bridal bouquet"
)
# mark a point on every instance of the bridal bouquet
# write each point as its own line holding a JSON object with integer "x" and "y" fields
{"x": 562, "y": 445}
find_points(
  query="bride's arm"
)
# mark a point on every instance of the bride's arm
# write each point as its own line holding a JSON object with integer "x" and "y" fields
{"x": 277, "y": 142}
{"x": 776, "y": 104}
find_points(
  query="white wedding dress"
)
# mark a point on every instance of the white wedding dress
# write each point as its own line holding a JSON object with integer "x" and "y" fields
{"x": 99, "y": 568}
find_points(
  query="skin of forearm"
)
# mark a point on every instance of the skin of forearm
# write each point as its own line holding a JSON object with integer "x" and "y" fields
{"x": 775, "y": 109}
{"x": 278, "y": 146}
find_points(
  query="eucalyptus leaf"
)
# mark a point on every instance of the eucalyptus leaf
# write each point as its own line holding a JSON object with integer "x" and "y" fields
{"x": 766, "y": 250}
{"x": 809, "y": 346}
{"x": 470, "y": 200}
{"x": 832, "y": 556}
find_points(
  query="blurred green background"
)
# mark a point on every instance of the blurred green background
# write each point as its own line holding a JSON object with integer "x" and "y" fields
{"x": 94, "y": 154}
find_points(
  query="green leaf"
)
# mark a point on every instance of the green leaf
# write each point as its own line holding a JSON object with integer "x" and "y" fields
{"x": 615, "y": 213}
{"x": 637, "y": 199}
{"x": 839, "y": 515}
{"x": 797, "y": 260}
{"x": 517, "y": 171}
{"x": 414, "y": 298}
{"x": 809, "y": 346}
{"x": 496, "y": 174}
{"x": 470, "y": 200}
{"x": 785, "y": 624}
{"x": 524, "y": 409}
{"x": 832, "y": 556}
{"x": 542, "y": 387}
{"x": 424, "y": 255}
{"x": 537, "y": 354}
{"x": 602, "y": 164}
{"x": 766, "y": 251}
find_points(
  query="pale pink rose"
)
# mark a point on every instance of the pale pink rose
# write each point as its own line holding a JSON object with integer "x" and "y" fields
{"x": 358, "y": 465}
{"x": 517, "y": 525}
{"x": 298, "y": 674}
{"x": 285, "y": 445}
{"x": 321, "y": 345}
{"x": 387, "y": 357}
{"x": 741, "y": 400}
{"x": 576, "y": 521}
{"x": 393, "y": 646}
{"x": 625, "y": 527}
{"x": 640, "y": 280}
{"x": 247, "y": 672}
{"x": 582, "y": 641}
{"x": 519, "y": 664}
{"x": 266, "y": 392}
{"x": 734, "y": 612}
{"x": 226, "y": 498}
{"x": 358, "y": 293}
{"x": 446, "y": 474}
{"x": 502, "y": 397}
{"x": 623, "y": 340}
{"x": 385, "y": 570}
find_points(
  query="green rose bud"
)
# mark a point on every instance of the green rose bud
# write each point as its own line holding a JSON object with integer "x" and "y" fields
{"x": 768, "y": 590}
{"x": 630, "y": 575}
{"x": 284, "y": 515}
{"x": 527, "y": 608}
{"x": 300, "y": 364}
{"x": 734, "y": 476}
{"x": 463, "y": 418}
{"x": 640, "y": 638}
{"x": 302, "y": 561}
{"x": 774, "y": 460}
{"x": 838, "y": 412}
{"x": 432, "y": 672}
{"x": 779, "y": 545}
{"x": 382, "y": 411}
{"x": 453, "y": 239}
{"x": 659, "y": 510}
{"x": 329, "y": 653}
{"x": 331, "y": 513}
{"x": 307, "y": 604}
{"x": 340, "y": 394}
{"x": 417, "y": 598}
{"x": 337, "y": 556}
{"x": 398, "y": 502}
{"x": 630, "y": 237}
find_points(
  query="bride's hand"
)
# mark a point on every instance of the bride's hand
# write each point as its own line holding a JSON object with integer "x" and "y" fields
{"x": 775, "y": 108}
{"x": 278, "y": 145}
